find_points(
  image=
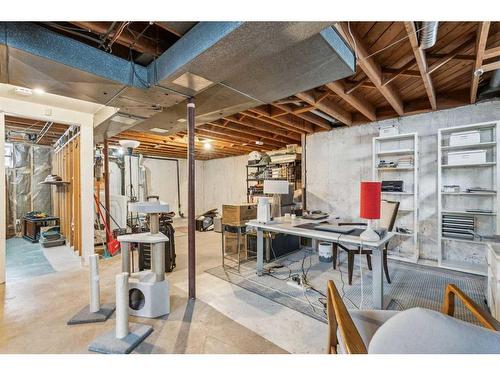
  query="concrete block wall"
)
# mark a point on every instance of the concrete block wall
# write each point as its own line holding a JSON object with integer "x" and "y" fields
{"x": 338, "y": 160}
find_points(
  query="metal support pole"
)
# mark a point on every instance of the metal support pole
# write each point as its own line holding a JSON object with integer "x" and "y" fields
{"x": 106, "y": 188}
{"x": 191, "y": 202}
{"x": 303, "y": 171}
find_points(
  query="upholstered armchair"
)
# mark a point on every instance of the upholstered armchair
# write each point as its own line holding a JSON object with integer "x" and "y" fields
{"x": 412, "y": 331}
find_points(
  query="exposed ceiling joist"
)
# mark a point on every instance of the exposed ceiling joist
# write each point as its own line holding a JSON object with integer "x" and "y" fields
{"x": 481, "y": 38}
{"x": 449, "y": 56}
{"x": 491, "y": 53}
{"x": 491, "y": 66}
{"x": 371, "y": 68}
{"x": 356, "y": 101}
{"x": 421, "y": 63}
{"x": 332, "y": 109}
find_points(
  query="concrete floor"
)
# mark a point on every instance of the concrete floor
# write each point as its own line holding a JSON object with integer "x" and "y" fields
{"x": 224, "y": 318}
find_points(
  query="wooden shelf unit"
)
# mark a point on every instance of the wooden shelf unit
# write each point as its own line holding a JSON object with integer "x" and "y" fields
{"x": 489, "y": 174}
{"x": 393, "y": 147}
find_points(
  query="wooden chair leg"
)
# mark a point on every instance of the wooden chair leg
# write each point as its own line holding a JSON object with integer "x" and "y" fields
{"x": 386, "y": 268}
{"x": 369, "y": 261}
{"x": 335, "y": 253}
{"x": 350, "y": 265}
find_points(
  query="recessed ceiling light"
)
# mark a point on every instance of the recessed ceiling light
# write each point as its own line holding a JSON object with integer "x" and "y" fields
{"x": 158, "y": 130}
{"x": 124, "y": 120}
{"x": 38, "y": 90}
{"x": 192, "y": 81}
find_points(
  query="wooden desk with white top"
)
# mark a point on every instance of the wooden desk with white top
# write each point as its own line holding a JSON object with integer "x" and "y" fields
{"x": 280, "y": 225}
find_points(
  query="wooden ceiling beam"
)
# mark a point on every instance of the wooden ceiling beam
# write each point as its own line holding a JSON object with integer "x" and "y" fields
{"x": 481, "y": 38}
{"x": 160, "y": 142}
{"x": 449, "y": 56}
{"x": 491, "y": 66}
{"x": 252, "y": 145}
{"x": 370, "y": 67}
{"x": 491, "y": 53}
{"x": 330, "y": 108}
{"x": 257, "y": 124}
{"x": 356, "y": 101}
{"x": 284, "y": 117}
{"x": 395, "y": 73}
{"x": 421, "y": 63}
{"x": 232, "y": 125}
{"x": 356, "y": 85}
{"x": 235, "y": 136}
{"x": 456, "y": 57}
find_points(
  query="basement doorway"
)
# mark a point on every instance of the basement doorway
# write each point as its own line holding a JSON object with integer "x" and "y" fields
{"x": 42, "y": 212}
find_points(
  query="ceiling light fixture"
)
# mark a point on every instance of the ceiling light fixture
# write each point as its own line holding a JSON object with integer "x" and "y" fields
{"x": 38, "y": 90}
{"x": 207, "y": 146}
{"x": 259, "y": 143}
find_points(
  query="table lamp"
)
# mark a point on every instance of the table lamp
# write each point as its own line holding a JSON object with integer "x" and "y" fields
{"x": 369, "y": 208}
{"x": 276, "y": 187}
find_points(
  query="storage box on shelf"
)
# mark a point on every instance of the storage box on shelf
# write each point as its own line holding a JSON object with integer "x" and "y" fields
{"x": 467, "y": 193}
{"x": 395, "y": 158}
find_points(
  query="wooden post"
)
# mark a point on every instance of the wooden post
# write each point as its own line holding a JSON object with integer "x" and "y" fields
{"x": 191, "y": 202}
{"x": 106, "y": 187}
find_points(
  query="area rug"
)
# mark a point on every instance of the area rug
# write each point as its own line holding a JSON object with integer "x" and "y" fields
{"x": 25, "y": 260}
{"x": 412, "y": 285}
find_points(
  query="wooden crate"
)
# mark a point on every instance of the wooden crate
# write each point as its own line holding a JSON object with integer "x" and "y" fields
{"x": 236, "y": 213}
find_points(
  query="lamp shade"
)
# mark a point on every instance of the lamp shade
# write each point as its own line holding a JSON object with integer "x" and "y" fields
{"x": 369, "y": 200}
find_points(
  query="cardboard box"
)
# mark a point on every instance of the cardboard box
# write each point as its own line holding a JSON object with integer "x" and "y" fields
{"x": 236, "y": 213}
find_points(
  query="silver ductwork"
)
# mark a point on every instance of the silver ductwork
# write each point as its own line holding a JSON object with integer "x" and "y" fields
{"x": 492, "y": 90}
{"x": 427, "y": 35}
{"x": 227, "y": 67}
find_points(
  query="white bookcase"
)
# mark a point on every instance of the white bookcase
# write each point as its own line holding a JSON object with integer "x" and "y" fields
{"x": 484, "y": 175}
{"x": 391, "y": 148}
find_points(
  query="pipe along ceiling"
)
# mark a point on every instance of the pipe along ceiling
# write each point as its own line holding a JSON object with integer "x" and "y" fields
{"x": 227, "y": 67}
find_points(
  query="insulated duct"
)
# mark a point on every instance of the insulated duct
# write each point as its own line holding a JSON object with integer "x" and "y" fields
{"x": 227, "y": 67}
{"x": 428, "y": 34}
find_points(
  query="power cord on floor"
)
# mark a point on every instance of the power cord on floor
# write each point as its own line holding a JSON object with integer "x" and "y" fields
{"x": 343, "y": 295}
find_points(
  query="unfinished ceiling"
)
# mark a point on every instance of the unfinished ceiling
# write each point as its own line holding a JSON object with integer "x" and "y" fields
{"x": 20, "y": 129}
{"x": 393, "y": 77}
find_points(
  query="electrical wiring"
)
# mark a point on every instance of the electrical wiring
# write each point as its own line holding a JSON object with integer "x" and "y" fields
{"x": 382, "y": 49}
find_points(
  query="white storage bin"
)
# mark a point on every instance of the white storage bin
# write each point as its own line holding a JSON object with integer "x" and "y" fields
{"x": 387, "y": 131}
{"x": 467, "y": 157}
{"x": 471, "y": 137}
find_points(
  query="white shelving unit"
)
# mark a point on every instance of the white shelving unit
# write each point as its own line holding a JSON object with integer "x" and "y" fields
{"x": 485, "y": 175}
{"x": 391, "y": 148}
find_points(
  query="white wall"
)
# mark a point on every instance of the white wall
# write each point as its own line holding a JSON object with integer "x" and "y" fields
{"x": 218, "y": 181}
{"x": 224, "y": 182}
{"x": 338, "y": 160}
{"x": 162, "y": 181}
